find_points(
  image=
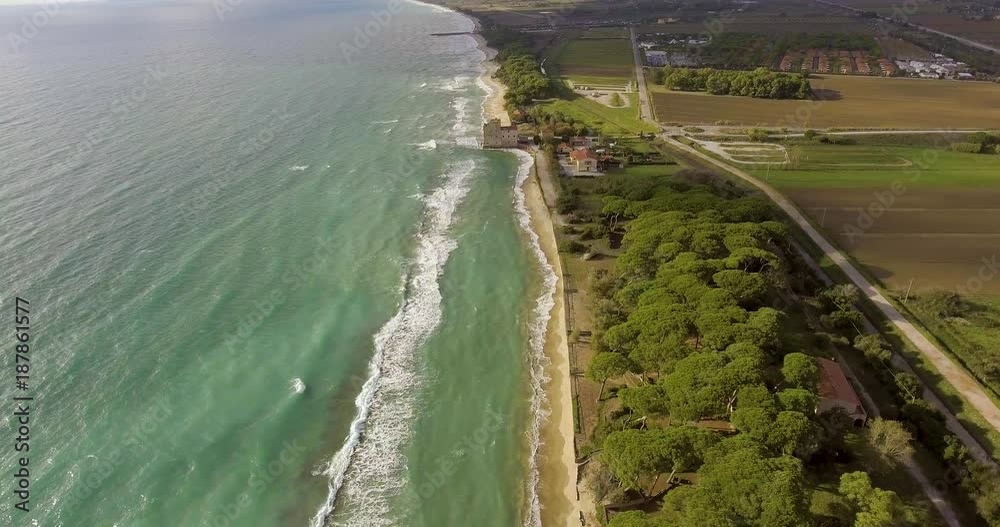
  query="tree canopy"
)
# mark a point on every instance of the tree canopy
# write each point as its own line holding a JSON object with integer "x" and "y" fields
{"x": 761, "y": 82}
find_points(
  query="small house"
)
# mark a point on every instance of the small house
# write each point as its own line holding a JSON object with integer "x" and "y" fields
{"x": 584, "y": 161}
{"x": 835, "y": 391}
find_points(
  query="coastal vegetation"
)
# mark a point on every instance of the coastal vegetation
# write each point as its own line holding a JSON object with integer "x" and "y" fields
{"x": 705, "y": 350}
{"x": 760, "y": 83}
{"x": 522, "y": 75}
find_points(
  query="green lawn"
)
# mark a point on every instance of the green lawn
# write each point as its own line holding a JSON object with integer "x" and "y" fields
{"x": 606, "y": 120}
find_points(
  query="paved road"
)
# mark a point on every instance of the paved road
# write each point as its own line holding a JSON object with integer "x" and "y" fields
{"x": 645, "y": 110}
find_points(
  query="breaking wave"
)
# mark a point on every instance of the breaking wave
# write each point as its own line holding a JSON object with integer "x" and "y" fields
{"x": 366, "y": 473}
{"x": 537, "y": 327}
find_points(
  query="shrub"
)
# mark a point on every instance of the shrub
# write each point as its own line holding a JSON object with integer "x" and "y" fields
{"x": 572, "y": 246}
{"x": 593, "y": 232}
{"x": 567, "y": 202}
{"x": 757, "y": 134}
{"x": 810, "y": 134}
{"x": 968, "y": 148}
{"x": 943, "y": 303}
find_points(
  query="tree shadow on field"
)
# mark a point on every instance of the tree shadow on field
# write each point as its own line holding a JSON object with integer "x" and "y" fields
{"x": 824, "y": 94}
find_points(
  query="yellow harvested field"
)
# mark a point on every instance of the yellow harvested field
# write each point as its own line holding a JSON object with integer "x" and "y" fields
{"x": 846, "y": 101}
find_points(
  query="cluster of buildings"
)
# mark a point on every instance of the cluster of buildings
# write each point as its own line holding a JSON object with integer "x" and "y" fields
{"x": 595, "y": 156}
{"x": 666, "y": 49}
{"x": 939, "y": 67}
{"x": 585, "y": 157}
{"x": 847, "y": 62}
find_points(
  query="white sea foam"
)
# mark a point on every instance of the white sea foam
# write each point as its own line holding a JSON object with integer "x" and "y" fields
{"x": 461, "y": 107}
{"x": 297, "y": 385}
{"x": 467, "y": 141}
{"x": 457, "y": 83}
{"x": 432, "y": 6}
{"x": 298, "y": 168}
{"x": 536, "y": 337}
{"x": 367, "y": 473}
{"x": 429, "y": 145}
{"x": 394, "y": 121}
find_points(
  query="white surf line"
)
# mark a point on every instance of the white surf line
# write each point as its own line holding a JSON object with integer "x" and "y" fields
{"x": 367, "y": 471}
{"x": 536, "y": 337}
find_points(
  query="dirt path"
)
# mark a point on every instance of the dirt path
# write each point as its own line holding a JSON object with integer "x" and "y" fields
{"x": 953, "y": 373}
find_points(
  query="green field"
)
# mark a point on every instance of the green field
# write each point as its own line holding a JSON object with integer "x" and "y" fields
{"x": 851, "y": 166}
{"x": 925, "y": 227}
{"x": 597, "y": 56}
{"x": 606, "y": 120}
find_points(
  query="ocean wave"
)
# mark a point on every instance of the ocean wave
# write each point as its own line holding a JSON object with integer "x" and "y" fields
{"x": 457, "y": 83}
{"x": 366, "y": 472}
{"x": 429, "y": 145}
{"x": 536, "y": 337}
{"x": 298, "y": 168}
{"x": 297, "y": 385}
{"x": 393, "y": 121}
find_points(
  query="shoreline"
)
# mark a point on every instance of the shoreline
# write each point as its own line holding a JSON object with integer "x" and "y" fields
{"x": 555, "y": 458}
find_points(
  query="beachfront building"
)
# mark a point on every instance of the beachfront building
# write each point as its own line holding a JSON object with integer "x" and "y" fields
{"x": 584, "y": 162}
{"x": 495, "y": 135}
{"x": 835, "y": 391}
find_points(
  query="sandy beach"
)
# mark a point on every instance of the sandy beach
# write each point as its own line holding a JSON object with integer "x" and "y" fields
{"x": 493, "y": 107}
{"x": 557, "y": 454}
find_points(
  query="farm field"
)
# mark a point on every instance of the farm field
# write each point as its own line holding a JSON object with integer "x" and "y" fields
{"x": 599, "y": 56}
{"x": 934, "y": 15}
{"x": 845, "y": 101}
{"x": 985, "y": 31}
{"x": 933, "y": 230}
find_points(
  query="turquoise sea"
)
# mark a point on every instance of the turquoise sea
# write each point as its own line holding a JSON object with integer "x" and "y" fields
{"x": 274, "y": 281}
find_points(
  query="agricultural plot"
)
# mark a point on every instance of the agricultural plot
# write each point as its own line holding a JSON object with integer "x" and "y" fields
{"x": 942, "y": 17}
{"x": 593, "y": 58}
{"x": 910, "y": 215}
{"x": 845, "y": 101}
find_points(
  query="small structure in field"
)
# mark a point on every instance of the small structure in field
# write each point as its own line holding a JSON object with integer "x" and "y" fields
{"x": 495, "y": 135}
{"x": 835, "y": 391}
